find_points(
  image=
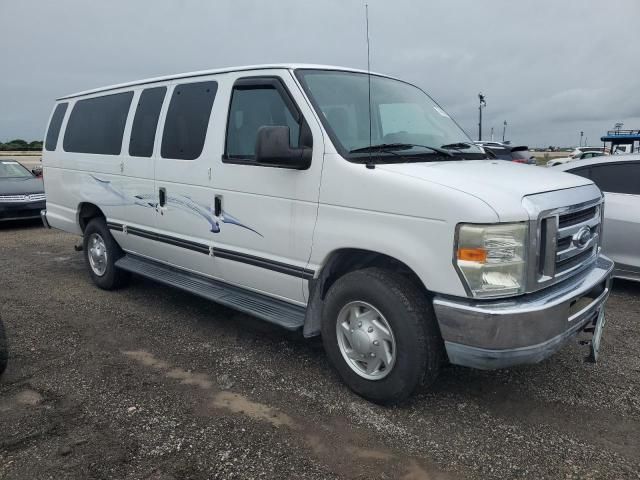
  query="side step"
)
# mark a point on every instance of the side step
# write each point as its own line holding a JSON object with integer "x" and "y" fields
{"x": 270, "y": 309}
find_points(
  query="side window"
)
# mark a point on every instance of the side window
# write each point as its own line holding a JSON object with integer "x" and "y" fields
{"x": 96, "y": 125}
{"x": 617, "y": 177}
{"x": 185, "y": 127}
{"x": 54, "y": 126}
{"x": 143, "y": 131}
{"x": 582, "y": 171}
{"x": 254, "y": 106}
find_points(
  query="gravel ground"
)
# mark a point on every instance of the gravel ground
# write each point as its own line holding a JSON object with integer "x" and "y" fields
{"x": 152, "y": 383}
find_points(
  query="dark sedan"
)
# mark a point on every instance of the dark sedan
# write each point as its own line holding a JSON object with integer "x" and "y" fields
{"x": 21, "y": 192}
{"x": 515, "y": 154}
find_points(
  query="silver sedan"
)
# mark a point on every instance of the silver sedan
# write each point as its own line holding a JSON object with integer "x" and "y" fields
{"x": 618, "y": 176}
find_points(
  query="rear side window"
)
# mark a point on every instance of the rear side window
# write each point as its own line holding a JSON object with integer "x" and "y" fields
{"x": 96, "y": 125}
{"x": 582, "y": 171}
{"x": 185, "y": 127}
{"x": 51, "y": 141}
{"x": 617, "y": 177}
{"x": 500, "y": 153}
{"x": 143, "y": 131}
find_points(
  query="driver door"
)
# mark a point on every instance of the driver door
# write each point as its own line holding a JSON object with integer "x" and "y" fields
{"x": 266, "y": 214}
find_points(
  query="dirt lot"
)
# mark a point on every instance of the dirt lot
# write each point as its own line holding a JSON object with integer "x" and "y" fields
{"x": 152, "y": 383}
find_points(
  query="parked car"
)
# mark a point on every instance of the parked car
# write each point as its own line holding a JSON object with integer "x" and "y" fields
{"x": 618, "y": 177}
{"x": 263, "y": 188}
{"x": 577, "y": 152}
{"x": 519, "y": 154}
{"x": 580, "y": 156}
{"x": 21, "y": 192}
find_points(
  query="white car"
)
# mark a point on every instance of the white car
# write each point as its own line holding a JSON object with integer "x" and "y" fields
{"x": 576, "y": 153}
{"x": 578, "y": 156}
{"x": 618, "y": 177}
{"x": 265, "y": 189}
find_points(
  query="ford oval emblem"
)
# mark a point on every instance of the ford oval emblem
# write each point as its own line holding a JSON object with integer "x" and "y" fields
{"x": 581, "y": 238}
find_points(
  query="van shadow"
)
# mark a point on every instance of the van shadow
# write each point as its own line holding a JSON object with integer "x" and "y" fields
{"x": 496, "y": 387}
{"x": 625, "y": 287}
{"x": 210, "y": 314}
{"x": 28, "y": 224}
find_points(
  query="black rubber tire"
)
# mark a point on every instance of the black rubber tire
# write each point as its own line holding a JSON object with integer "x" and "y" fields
{"x": 4, "y": 350}
{"x": 410, "y": 314}
{"x": 113, "y": 277}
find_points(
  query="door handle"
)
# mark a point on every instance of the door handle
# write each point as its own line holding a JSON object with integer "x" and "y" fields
{"x": 162, "y": 196}
{"x": 217, "y": 206}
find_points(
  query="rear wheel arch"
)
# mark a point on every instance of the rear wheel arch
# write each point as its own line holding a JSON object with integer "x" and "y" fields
{"x": 337, "y": 264}
{"x": 86, "y": 212}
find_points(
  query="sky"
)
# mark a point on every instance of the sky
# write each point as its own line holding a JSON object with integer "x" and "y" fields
{"x": 549, "y": 68}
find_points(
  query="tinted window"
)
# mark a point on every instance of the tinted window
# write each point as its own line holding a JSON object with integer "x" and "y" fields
{"x": 96, "y": 125}
{"x": 617, "y": 177}
{"x": 500, "y": 153}
{"x": 252, "y": 108}
{"x": 187, "y": 118}
{"x": 582, "y": 171}
{"x": 143, "y": 131}
{"x": 54, "y": 126}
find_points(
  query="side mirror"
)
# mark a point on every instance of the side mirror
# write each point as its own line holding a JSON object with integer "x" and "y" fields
{"x": 272, "y": 149}
{"x": 37, "y": 171}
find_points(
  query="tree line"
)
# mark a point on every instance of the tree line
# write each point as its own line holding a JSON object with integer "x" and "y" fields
{"x": 19, "y": 144}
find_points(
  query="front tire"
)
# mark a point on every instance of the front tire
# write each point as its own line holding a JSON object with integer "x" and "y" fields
{"x": 381, "y": 335}
{"x": 100, "y": 253}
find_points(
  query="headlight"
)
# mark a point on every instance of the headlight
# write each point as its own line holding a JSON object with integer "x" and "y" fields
{"x": 491, "y": 259}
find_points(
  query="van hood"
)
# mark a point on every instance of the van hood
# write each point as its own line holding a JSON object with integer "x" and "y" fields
{"x": 500, "y": 184}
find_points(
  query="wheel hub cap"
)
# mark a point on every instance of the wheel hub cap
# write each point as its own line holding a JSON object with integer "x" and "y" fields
{"x": 97, "y": 254}
{"x": 366, "y": 340}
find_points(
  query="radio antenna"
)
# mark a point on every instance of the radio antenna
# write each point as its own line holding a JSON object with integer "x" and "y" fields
{"x": 370, "y": 163}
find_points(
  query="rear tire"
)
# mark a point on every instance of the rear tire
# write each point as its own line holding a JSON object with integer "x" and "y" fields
{"x": 387, "y": 316}
{"x": 4, "y": 351}
{"x": 101, "y": 251}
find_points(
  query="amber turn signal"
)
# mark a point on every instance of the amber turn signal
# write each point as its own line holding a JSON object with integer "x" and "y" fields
{"x": 478, "y": 255}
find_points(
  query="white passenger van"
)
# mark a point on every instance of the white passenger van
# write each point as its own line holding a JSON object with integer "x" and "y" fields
{"x": 284, "y": 192}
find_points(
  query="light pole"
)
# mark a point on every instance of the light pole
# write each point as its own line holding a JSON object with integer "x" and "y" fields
{"x": 492, "y": 134}
{"x": 581, "y": 135}
{"x": 480, "y": 107}
{"x": 504, "y": 130}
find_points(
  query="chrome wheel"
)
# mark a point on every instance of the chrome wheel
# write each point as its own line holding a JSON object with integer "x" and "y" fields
{"x": 97, "y": 254}
{"x": 366, "y": 340}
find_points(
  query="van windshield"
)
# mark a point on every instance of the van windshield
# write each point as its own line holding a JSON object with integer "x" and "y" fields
{"x": 406, "y": 124}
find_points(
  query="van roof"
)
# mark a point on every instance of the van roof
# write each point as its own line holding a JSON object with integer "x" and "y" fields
{"x": 288, "y": 66}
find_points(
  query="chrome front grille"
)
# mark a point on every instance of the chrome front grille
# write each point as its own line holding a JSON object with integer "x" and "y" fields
{"x": 570, "y": 239}
{"x": 577, "y": 238}
{"x": 35, "y": 197}
{"x": 560, "y": 246}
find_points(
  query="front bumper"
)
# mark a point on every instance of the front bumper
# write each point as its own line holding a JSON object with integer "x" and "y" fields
{"x": 502, "y": 333}
{"x": 20, "y": 210}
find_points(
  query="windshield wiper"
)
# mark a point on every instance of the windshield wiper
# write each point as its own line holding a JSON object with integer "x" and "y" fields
{"x": 456, "y": 146}
{"x": 389, "y": 147}
{"x": 459, "y": 146}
